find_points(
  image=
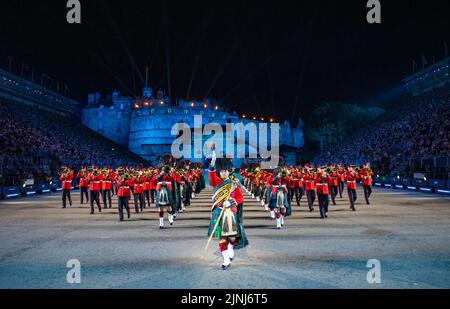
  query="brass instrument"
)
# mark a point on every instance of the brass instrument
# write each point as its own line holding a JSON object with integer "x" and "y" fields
{"x": 329, "y": 170}
{"x": 95, "y": 171}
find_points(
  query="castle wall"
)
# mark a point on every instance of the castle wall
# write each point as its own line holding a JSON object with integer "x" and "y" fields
{"x": 145, "y": 126}
{"x": 112, "y": 123}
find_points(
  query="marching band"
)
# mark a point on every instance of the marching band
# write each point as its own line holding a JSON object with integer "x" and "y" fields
{"x": 171, "y": 185}
{"x": 276, "y": 188}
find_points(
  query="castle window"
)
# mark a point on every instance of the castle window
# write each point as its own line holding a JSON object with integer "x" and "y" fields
{"x": 169, "y": 111}
{"x": 152, "y": 111}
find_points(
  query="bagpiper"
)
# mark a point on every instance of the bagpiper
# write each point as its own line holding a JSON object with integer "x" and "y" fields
{"x": 279, "y": 197}
{"x": 164, "y": 192}
{"x": 224, "y": 223}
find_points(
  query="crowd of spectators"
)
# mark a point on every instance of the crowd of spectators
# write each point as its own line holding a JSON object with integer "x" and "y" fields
{"x": 419, "y": 129}
{"x": 36, "y": 143}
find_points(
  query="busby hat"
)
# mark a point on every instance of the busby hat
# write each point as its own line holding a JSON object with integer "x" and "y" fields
{"x": 223, "y": 164}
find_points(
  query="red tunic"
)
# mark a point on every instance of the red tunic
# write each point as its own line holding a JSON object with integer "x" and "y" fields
{"x": 322, "y": 185}
{"x": 123, "y": 188}
{"x": 94, "y": 182}
{"x": 66, "y": 181}
{"x": 236, "y": 194}
{"x": 107, "y": 183}
{"x": 279, "y": 182}
{"x": 341, "y": 173}
{"x": 308, "y": 178}
{"x": 163, "y": 178}
{"x": 139, "y": 185}
{"x": 83, "y": 180}
{"x": 351, "y": 180}
{"x": 334, "y": 176}
{"x": 366, "y": 177}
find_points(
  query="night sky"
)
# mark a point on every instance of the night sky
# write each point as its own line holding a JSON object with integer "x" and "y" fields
{"x": 264, "y": 58}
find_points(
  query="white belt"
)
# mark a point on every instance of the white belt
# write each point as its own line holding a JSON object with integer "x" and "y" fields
{"x": 164, "y": 183}
{"x": 351, "y": 180}
{"x": 96, "y": 182}
{"x": 125, "y": 187}
{"x": 67, "y": 180}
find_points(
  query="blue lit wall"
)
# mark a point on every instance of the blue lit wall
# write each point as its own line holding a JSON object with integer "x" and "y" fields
{"x": 144, "y": 125}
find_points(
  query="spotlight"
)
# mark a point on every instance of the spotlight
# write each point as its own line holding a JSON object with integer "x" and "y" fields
{"x": 192, "y": 104}
{"x": 254, "y": 118}
{"x": 161, "y": 102}
{"x": 205, "y": 105}
{"x": 146, "y": 103}
{"x": 262, "y": 119}
{"x": 271, "y": 119}
{"x": 136, "y": 105}
{"x": 24, "y": 185}
{"x": 243, "y": 116}
{"x": 216, "y": 107}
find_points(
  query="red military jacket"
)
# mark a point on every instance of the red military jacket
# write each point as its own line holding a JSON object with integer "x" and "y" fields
{"x": 297, "y": 179}
{"x": 322, "y": 184}
{"x": 335, "y": 176}
{"x": 278, "y": 182}
{"x": 161, "y": 178}
{"x": 147, "y": 183}
{"x": 139, "y": 183}
{"x": 66, "y": 181}
{"x": 308, "y": 178}
{"x": 366, "y": 177}
{"x": 176, "y": 177}
{"x": 123, "y": 188}
{"x": 107, "y": 182}
{"x": 83, "y": 181}
{"x": 351, "y": 180}
{"x": 94, "y": 182}
{"x": 341, "y": 173}
{"x": 292, "y": 181}
{"x": 236, "y": 196}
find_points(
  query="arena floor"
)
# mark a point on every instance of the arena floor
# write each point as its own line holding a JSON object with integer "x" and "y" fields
{"x": 408, "y": 232}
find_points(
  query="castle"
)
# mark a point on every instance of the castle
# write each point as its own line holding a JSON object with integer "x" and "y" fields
{"x": 144, "y": 125}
